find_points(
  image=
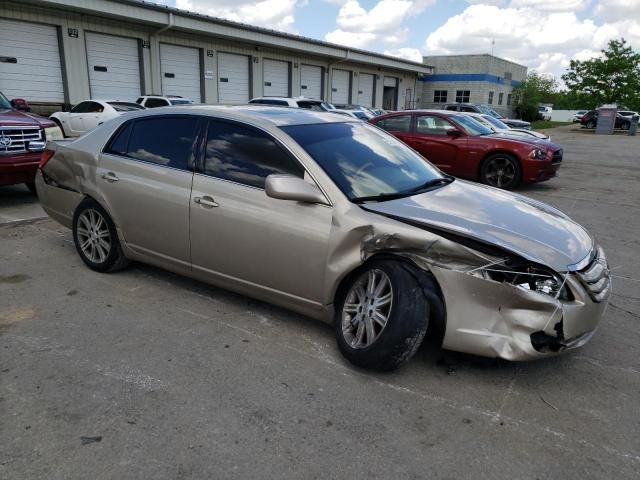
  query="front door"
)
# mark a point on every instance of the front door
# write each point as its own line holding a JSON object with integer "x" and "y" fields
{"x": 240, "y": 234}
{"x": 145, "y": 177}
{"x": 432, "y": 140}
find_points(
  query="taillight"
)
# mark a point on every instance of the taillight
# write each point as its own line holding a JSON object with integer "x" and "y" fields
{"x": 45, "y": 157}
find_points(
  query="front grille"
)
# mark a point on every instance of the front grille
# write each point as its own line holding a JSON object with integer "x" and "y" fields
{"x": 595, "y": 277}
{"x": 14, "y": 139}
{"x": 557, "y": 156}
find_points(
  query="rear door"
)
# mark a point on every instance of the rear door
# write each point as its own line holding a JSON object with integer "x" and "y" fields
{"x": 145, "y": 175}
{"x": 242, "y": 236}
{"x": 399, "y": 126}
{"x": 433, "y": 142}
{"x": 75, "y": 122}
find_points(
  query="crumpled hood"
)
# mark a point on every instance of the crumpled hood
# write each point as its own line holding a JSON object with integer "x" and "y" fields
{"x": 531, "y": 229}
{"x": 15, "y": 117}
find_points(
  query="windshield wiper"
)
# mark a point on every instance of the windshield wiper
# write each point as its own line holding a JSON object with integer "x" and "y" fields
{"x": 381, "y": 197}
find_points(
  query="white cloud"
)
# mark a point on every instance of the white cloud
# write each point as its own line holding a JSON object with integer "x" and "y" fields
{"x": 359, "y": 27}
{"x": 613, "y": 10}
{"x": 276, "y": 14}
{"x": 551, "y": 5}
{"x": 412, "y": 54}
{"x": 543, "y": 38}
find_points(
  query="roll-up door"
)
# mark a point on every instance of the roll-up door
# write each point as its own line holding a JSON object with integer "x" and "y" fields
{"x": 311, "y": 82}
{"x": 340, "y": 86}
{"x": 114, "y": 67}
{"x": 233, "y": 78}
{"x": 365, "y": 89}
{"x": 276, "y": 78}
{"x": 30, "y": 62}
{"x": 180, "y": 71}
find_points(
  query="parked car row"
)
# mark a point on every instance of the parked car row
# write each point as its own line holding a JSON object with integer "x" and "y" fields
{"x": 334, "y": 218}
{"x": 590, "y": 120}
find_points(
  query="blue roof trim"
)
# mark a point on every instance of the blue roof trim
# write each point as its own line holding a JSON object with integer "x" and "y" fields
{"x": 467, "y": 77}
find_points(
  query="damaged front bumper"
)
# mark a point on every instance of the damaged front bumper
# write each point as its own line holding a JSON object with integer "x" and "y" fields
{"x": 496, "y": 319}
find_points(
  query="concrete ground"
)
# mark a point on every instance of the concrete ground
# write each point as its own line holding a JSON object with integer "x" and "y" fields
{"x": 145, "y": 374}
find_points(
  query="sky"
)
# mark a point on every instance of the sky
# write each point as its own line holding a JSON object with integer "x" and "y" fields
{"x": 544, "y": 35}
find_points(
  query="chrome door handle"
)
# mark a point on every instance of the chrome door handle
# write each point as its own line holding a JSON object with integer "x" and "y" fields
{"x": 206, "y": 201}
{"x": 110, "y": 177}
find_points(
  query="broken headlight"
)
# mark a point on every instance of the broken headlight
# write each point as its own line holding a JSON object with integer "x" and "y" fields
{"x": 528, "y": 277}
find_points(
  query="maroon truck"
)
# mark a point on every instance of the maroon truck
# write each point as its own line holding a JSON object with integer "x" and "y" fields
{"x": 22, "y": 137}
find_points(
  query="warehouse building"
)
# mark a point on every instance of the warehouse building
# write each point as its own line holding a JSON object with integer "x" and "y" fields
{"x": 483, "y": 79}
{"x": 56, "y": 53}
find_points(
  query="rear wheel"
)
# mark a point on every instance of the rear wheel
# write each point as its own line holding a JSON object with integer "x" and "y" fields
{"x": 96, "y": 239}
{"x": 383, "y": 316}
{"x": 501, "y": 170}
{"x": 590, "y": 124}
{"x": 625, "y": 126}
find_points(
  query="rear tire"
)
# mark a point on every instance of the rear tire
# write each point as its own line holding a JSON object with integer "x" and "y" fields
{"x": 382, "y": 318}
{"x": 501, "y": 170}
{"x": 590, "y": 124}
{"x": 96, "y": 238}
{"x": 625, "y": 126}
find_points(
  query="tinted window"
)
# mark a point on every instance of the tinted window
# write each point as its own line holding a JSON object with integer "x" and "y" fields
{"x": 245, "y": 155}
{"x": 451, "y": 107}
{"x": 362, "y": 160}
{"x": 87, "y": 107}
{"x": 311, "y": 106}
{"x": 125, "y": 106}
{"x": 432, "y": 125}
{"x": 166, "y": 141}
{"x": 120, "y": 141}
{"x": 155, "y": 102}
{"x": 440, "y": 96}
{"x": 268, "y": 101}
{"x": 467, "y": 109}
{"x": 400, "y": 123}
{"x": 139, "y": 100}
{"x": 180, "y": 101}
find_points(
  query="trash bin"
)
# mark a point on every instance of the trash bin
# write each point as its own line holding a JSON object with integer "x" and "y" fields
{"x": 633, "y": 128}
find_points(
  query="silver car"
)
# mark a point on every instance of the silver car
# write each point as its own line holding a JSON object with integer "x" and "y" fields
{"x": 332, "y": 218}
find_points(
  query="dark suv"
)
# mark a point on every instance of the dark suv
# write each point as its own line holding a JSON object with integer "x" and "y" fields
{"x": 590, "y": 120}
{"x": 474, "y": 108}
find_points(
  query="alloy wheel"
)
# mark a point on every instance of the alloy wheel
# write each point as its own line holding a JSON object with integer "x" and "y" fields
{"x": 366, "y": 309}
{"x": 500, "y": 172}
{"x": 93, "y": 236}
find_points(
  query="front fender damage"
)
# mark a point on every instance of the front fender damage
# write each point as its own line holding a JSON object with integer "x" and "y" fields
{"x": 483, "y": 316}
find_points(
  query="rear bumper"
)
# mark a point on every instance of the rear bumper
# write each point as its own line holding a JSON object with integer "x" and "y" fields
{"x": 18, "y": 168}
{"x": 59, "y": 203}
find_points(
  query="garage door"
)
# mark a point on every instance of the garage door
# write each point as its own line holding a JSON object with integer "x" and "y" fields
{"x": 233, "y": 79}
{"x": 30, "y": 62}
{"x": 311, "y": 82}
{"x": 276, "y": 78}
{"x": 180, "y": 70}
{"x": 340, "y": 86}
{"x": 365, "y": 90}
{"x": 114, "y": 67}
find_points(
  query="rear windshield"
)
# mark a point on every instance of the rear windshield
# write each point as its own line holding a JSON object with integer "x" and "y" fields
{"x": 180, "y": 101}
{"x": 125, "y": 106}
{"x": 4, "y": 102}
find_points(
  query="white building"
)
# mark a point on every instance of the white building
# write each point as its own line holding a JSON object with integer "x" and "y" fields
{"x": 56, "y": 53}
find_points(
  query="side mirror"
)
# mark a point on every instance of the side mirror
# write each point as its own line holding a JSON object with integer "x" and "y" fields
{"x": 288, "y": 187}
{"x": 454, "y": 132}
{"x": 20, "y": 104}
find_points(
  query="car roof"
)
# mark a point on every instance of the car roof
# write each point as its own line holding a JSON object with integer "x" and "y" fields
{"x": 274, "y": 115}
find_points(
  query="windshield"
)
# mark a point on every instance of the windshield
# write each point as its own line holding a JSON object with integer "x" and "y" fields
{"x": 4, "y": 103}
{"x": 362, "y": 160}
{"x": 125, "y": 106}
{"x": 495, "y": 122}
{"x": 470, "y": 126}
{"x": 489, "y": 111}
{"x": 180, "y": 101}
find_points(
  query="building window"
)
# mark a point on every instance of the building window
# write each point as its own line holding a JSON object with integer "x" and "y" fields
{"x": 500, "y": 97}
{"x": 509, "y": 99}
{"x": 490, "y": 101}
{"x": 439, "y": 96}
{"x": 462, "y": 96}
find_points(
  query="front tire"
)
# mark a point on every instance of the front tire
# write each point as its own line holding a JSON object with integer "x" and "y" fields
{"x": 501, "y": 170}
{"x": 96, "y": 238}
{"x": 382, "y": 317}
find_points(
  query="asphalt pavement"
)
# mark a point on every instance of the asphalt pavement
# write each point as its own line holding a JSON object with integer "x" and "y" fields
{"x": 144, "y": 374}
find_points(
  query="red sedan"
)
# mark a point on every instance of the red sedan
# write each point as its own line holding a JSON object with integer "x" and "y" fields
{"x": 459, "y": 145}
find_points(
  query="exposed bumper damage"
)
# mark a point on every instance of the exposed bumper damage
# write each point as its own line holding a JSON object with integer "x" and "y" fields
{"x": 486, "y": 316}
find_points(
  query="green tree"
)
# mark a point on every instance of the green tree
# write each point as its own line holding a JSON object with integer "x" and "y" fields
{"x": 535, "y": 89}
{"x": 614, "y": 77}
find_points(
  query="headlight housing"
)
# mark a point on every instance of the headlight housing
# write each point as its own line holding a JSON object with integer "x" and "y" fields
{"x": 53, "y": 133}
{"x": 528, "y": 277}
{"x": 538, "y": 154}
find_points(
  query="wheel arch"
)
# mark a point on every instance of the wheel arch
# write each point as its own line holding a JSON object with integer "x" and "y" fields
{"x": 437, "y": 313}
